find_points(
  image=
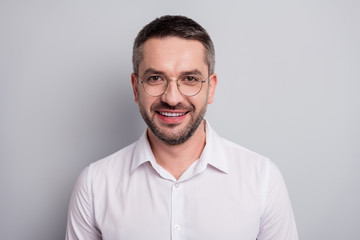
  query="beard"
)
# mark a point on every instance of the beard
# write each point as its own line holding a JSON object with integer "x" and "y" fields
{"x": 174, "y": 138}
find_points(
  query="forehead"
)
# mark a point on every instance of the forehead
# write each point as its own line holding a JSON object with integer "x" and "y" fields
{"x": 173, "y": 55}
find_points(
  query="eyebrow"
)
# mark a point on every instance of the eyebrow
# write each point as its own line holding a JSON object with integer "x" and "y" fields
{"x": 153, "y": 71}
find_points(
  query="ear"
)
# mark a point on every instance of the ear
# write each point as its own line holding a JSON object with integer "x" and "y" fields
{"x": 134, "y": 84}
{"x": 212, "y": 87}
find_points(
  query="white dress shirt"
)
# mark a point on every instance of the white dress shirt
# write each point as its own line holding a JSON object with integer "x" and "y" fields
{"x": 228, "y": 193}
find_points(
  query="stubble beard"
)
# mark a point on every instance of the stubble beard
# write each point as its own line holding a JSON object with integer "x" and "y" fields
{"x": 173, "y": 138}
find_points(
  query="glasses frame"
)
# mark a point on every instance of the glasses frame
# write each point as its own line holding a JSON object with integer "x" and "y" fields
{"x": 167, "y": 85}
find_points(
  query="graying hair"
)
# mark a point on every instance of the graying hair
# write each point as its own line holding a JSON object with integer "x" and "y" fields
{"x": 173, "y": 26}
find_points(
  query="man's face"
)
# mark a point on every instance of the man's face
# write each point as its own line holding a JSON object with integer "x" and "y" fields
{"x": 173, "y": 117}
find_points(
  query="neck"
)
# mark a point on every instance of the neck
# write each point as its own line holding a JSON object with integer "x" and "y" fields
{"x": 177, "y": 158}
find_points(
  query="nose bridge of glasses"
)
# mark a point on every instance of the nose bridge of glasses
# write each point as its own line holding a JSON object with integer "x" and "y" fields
{"x": 172, "y": 94}
{"x": 169, "y": 82}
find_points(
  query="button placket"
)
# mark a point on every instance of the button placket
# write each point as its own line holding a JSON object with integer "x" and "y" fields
{"x": 177, "y": 211}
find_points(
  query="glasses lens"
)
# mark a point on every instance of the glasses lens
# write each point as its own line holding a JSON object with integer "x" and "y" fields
{"x": 190, "y": 85}
{"x": 155, "y": 85}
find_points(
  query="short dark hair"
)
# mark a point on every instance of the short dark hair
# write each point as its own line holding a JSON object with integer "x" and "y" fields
{"x": 174, "y": 26}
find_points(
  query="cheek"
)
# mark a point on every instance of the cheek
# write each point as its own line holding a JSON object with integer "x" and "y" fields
{"x": 141, "y": 95}
{"x": 199, "y": 102}
{"x": 146, "y": 101}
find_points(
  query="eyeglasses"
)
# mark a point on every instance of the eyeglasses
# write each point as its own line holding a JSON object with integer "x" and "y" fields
{"x": 156, "y": 84}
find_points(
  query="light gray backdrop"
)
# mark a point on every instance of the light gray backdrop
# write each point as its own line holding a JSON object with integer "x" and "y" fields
{"x": 288, "y": 71}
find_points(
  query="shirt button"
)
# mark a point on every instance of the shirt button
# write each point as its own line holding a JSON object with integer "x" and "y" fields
{"x": 177, "y": 227}
{"x": 176, "y": 185}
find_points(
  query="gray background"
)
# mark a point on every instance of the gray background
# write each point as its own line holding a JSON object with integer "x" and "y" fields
{"x": 288, "y": 88}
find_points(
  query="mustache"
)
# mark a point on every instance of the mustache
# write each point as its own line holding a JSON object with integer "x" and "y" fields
{"x": 166, "y": 106}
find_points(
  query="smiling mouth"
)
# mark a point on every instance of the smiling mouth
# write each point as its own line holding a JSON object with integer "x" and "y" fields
{"x": 172, "y": 114}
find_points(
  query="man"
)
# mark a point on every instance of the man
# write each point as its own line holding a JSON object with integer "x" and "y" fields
{"x": 180, "y": 180}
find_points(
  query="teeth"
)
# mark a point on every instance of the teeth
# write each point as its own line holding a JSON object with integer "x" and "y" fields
{"x": 168, "y": 114}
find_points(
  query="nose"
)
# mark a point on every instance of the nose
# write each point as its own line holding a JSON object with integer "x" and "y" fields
{"x": 172, "y": 95}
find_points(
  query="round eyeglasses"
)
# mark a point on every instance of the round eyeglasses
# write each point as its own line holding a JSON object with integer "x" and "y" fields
{"x": 156, "y": 84}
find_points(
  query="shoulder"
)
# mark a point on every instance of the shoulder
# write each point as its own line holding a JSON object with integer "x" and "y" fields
{"x": 115, "y": 164}
{"x": 238, "y": 156}
{"x": 235, "y": 156}
{"x": 248, "y": 163}
{"x": 241, "y": 152}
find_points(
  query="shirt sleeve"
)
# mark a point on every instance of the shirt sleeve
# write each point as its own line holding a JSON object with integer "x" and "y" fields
{"x": 81, "y": 223}
{"x": 277, "y": 221}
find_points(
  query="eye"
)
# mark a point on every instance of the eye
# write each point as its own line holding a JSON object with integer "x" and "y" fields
{"x": 190, "y": 79}
{"x": 154, "y": 79}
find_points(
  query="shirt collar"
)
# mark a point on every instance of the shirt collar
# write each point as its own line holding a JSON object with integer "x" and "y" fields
{"x": 214, "y": 152}
{"x": 142, "y": 152}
